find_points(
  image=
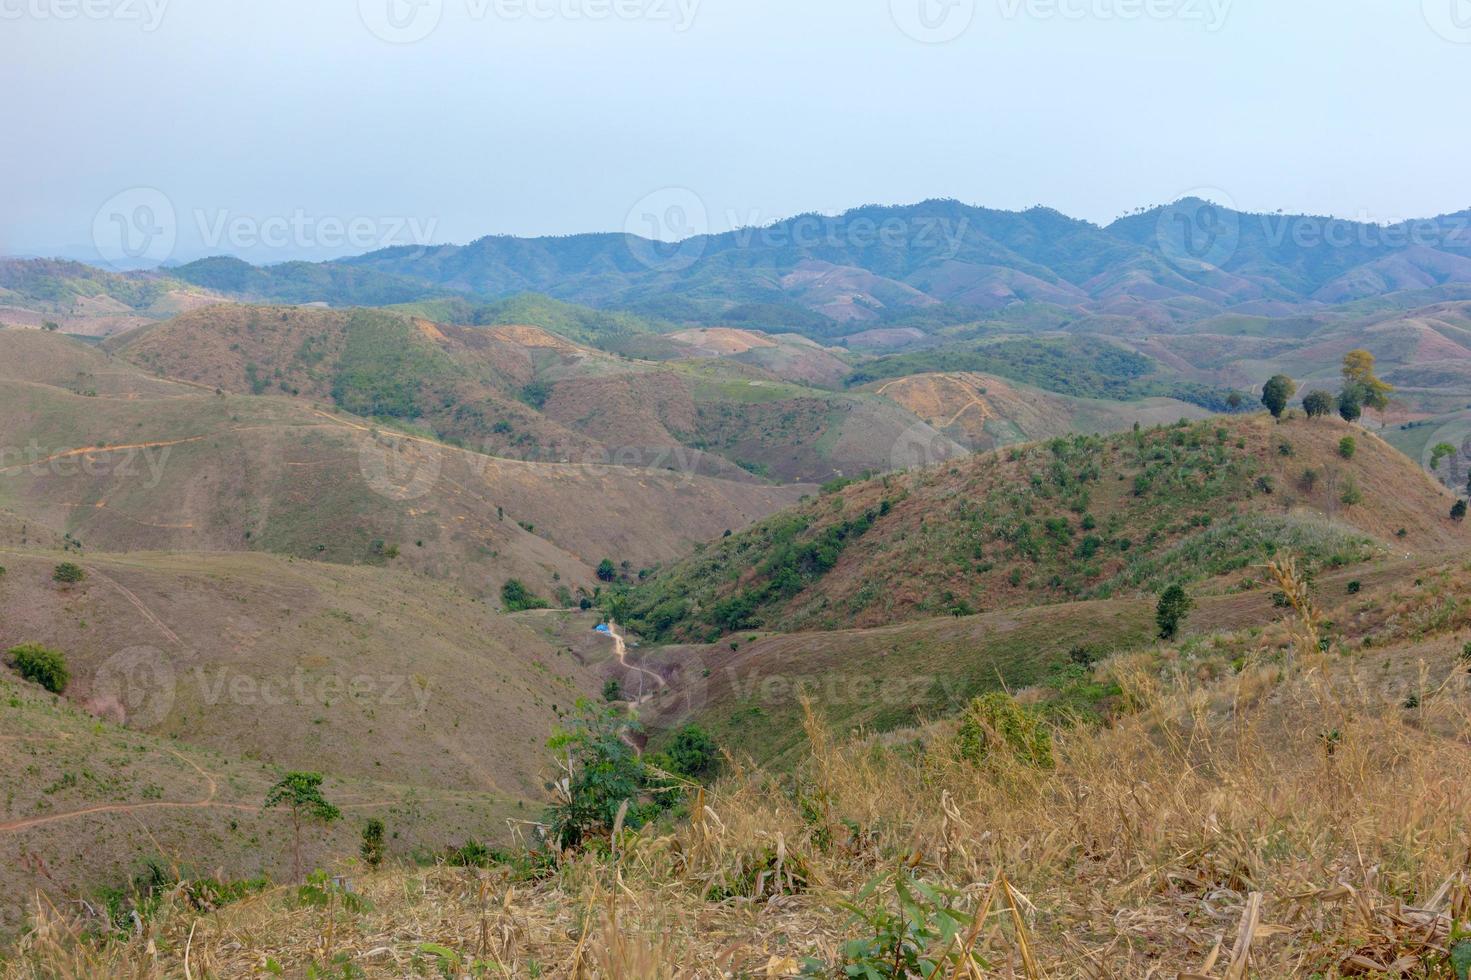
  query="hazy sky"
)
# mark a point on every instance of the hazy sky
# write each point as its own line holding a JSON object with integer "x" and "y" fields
{"x": 283, "y": 128}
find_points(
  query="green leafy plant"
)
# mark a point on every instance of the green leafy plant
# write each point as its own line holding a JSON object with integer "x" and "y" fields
{"x": 68, "y": 573}
{"x": 372, "y": 846}
{"x": 1174, "y": 605}
{"x": 923, "y": 934}
{"x": 601, "y": 776}
{"x": 301, "y": 793}
{"x": 996, "y": 725}
{"x": 41, "y": 665}
{"x": 516, "y": 597}
{"x": 1276, "y": 393}
{"x": 1347, "y": 446}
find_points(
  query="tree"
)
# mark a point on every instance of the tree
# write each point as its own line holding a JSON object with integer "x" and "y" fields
{"x": 1318, "y": 404}
{"x": 1351, "y": 405}
{"x": 68, "y": 574}
{"x": 612, "y": 690}
{"x": 1276, "y": 392}
{"x": 50, "y": 326}
{"x": 301, "y": 792}
{"x": 1347, "y": 446}
{"x": 372, "y": 847}
{"x": 1358, "y": 375}
{"x": 1174, "y": 605}
{"x": 692, "y": 752}
{"x": 602, "y": 773}
{"x": 607, "y": 571}
{"x": 41, "y": 665}
{"x": 1458, "y": 511}
{"x": 1439, "y": 452}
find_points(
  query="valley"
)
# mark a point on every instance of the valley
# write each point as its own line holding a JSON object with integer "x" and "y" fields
{"x": 772, "y": 569}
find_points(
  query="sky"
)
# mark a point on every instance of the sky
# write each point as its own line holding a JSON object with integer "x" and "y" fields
{"x": 158, "y": 131}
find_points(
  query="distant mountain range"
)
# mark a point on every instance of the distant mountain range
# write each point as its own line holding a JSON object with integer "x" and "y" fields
{"x": 928, "y": 264}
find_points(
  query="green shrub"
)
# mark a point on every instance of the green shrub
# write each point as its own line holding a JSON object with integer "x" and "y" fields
{"x": 692, "y": 752}
{"x": 604, "y": 776}
{"x": 1173, "y": 606}
{"x": 996, "y": 725}
{"x": 517, "y": 597}
{"x": 372, "y": 846}
{"x": 41, "y": 665}
{"x": 612, "y": 690}
{"x": 1351, "y": 494}
{"x": 68, "y": 573}
{"x": 1347, "y": 446}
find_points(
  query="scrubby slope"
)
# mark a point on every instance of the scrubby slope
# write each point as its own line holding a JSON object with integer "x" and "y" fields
{"x": 87, "y": 804}
{"x": 182, "y": 468}
{"x": 1086, "y": 516}
{"x": 356, "y": 671}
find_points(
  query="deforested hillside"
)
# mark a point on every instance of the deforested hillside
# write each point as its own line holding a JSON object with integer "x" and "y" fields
{"x": 135, "y": 463}
{"x": 522, "y": 391}
{"x": 94, "y": 811}
{"x": 1075, "y": 517}
{"x": 1268, "y": 797}
{"x": 362, "y": 672}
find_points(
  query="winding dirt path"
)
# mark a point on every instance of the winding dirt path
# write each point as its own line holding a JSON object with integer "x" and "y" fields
{"x": 620, "y": 647}
{"x": 99, "y": 450}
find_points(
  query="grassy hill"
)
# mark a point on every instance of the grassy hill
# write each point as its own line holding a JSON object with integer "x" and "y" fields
{"x": 90, "y": 808}
{"x": 1085, "y": 516}
{"x": 170, "y": 466}
{"x": 984, "y": 411}
{"x": 1271, "y": 792}
{"x": 360, "y": 672}
{"x": 88, "y": 301}
{"x": 519, "y": 390}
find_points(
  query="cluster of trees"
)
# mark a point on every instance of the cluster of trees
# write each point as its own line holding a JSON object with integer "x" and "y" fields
{"x": 1361, "y": 389}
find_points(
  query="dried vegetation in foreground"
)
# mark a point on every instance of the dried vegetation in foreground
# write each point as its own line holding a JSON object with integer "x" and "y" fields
{"x": 1271, "y": 803}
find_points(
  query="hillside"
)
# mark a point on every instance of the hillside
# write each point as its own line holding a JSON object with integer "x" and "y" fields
{"x": 87, "y": 301}
{"x": 90, "y": 808}
{"x": 168, "y": 466}
{"x": 521, "y": 391}
{"x": 361, "y": 672}
{"x": 825, "y": 275}
{"x": 985, "y": 411}
{"x": 1077, "y": 517}
{"x": 1123, "y": 844}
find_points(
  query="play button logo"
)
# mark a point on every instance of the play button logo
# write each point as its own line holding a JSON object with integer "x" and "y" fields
{"x": 401, "y": 21}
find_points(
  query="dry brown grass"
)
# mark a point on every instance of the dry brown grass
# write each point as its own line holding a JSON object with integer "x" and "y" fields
{"x": 1290, "y": 818}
